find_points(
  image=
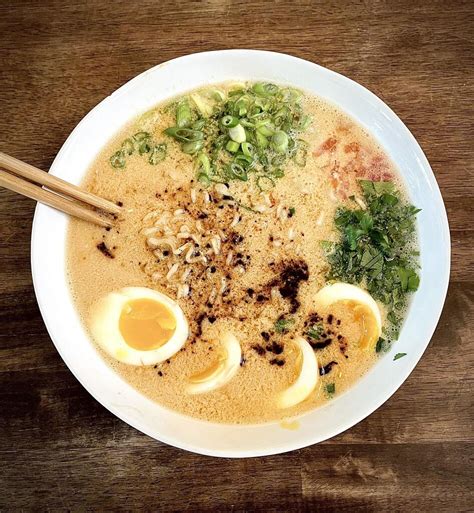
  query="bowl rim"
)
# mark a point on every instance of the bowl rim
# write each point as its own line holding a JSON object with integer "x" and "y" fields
{"x": 295, "y": 443}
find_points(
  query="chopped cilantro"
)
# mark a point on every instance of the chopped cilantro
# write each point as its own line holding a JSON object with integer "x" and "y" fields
{"x": 315, "y": 331}
{"x": 292, "y": 211}
{"x": 282, "y": 325}
{"x": 374, "y": 248}
{"x": 398, "y": 356}
{"x": 330, "y": 388}
{"x": 382, "y": 345}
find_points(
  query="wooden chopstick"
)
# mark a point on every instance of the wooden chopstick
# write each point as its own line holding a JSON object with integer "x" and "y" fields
{"x": 56, "y": 184}
{"x": 26, "y": 188}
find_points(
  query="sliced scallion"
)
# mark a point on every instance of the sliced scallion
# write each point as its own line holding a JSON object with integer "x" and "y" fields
{"x": 280, "y": 141}
{"x": 261, "y": 140}
{"x": 229, "y": 121}
{"x": 183, "y": 114}
{"x": 192, "y": 147}
{"x": 217, "y": 95}
{"x": 247, "y": 149}
{"x": 238, "y": 172}
{"x": 265, "y": 183}
{"x": 243, "y": 160}
{"x": 184, "y": 134}
{"x": 301, "y": 153}
{"x": 118, "y": 159}
{"x": 265, "y": 89}
{"x": 158, "y": 154}
{"x": 237, "y": 133}
{"x": 265, "y": 128}
{"x": 232, "y": 146}
{"x": 128, "y": 147}
{"x": 141, "y": 136}
{"x": 204, "y": 179}
{"x": 203, "y": 164}
{"x": 144, "y": 146}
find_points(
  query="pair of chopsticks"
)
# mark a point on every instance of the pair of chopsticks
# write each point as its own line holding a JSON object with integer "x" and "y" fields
{"x": 30, "y": 181}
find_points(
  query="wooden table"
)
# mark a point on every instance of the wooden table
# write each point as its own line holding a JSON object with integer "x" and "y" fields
{"x": 59, "y": 448}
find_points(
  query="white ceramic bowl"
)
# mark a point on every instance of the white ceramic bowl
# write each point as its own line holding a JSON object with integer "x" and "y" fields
{"x": 80, "y": 355}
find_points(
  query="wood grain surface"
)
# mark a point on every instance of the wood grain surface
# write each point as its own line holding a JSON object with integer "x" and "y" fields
{"x": 60, "y": 450}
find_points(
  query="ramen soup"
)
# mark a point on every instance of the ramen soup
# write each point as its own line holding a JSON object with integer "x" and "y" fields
{"x": 263, "y": 261}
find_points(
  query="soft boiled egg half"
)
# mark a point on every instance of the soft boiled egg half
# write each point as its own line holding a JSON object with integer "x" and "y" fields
{"x": 307, "y": 376}
{"x": 222, "y": 370}
{"x": 138, "y": 326}
{"x": 360, "y": 304}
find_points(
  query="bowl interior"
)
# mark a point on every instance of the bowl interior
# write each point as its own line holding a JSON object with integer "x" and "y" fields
{"x": 180, "y": 75}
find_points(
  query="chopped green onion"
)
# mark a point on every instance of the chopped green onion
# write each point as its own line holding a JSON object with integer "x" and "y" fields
{"x": 282, "y": 325}
{"x": 265, "y": 89}
{"x": 241, "y": 105}
{"x": 232, "y": 146}
{"x": 128, "y": 146}
{"x": 199, "y": 124}
{"x": 202, "y": 163}
{"x": 239, "y": 90}
{"x": 204, "y": 108}
{"x": 237, "y": 133}
{"x": 304, "y": 123}
{"x": 229, "y": 121}
{"x": 261, "y": 140}
{"x": 144, "y": 146}
{"x": 258, "y": 119}
{"x": 192, "y": 147}
{"x": 117, "y": 160}
{"x": 237, "y": 171}
{"x": 204, "y": 179}
{"x": 247, "y": 149}
{"x": 294, "y": 95}
{"x": 158, "y": 154}
{"x": 184, "y": 134}
{"x": 140, "y": 136}
{"x": 247, "y": 124}
{"x": 265, "y": 183}
{"x": 265, "y": 128}
{"x": 217, "y": 95}
{"x": 280, "y": 141}
{"x": 244, "y": 160}
{"x": 183, "y": 114}
{"x": 277, "y": 173}
{"x": 301, "y": 153}
{"x": 281, "y": 116}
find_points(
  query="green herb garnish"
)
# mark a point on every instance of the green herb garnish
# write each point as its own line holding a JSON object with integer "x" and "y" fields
{"x": 382, "y": 345}
{"x": 282, "y": 325}
{"x": 330, "y": 388}
{"x": 117, "y": 160}
{"x": 142, "y": 143}
{"x": 398, "y": 356}
{"x": 374, "y": 248}
{"x": 315, "y": 331}
{"x": 292, "y": 211}
{"x": 249, "y": 132}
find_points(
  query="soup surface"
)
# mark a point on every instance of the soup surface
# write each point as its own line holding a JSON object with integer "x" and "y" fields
{"x": 247, "y": 253}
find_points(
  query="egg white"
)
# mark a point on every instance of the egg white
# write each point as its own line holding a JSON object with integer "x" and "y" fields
{"x": 104, "y": 327}
{"x": 307, "y": 379}
{"x": 223, "y": 374}
{"x": 335, "y": 292}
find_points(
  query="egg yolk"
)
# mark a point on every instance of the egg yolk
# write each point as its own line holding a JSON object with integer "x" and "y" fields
{"x": 367, "y": 322}
{"x": 146, "y": 324}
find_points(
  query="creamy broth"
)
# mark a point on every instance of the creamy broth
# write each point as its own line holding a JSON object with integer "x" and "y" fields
{"x": 266, "y": 234}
